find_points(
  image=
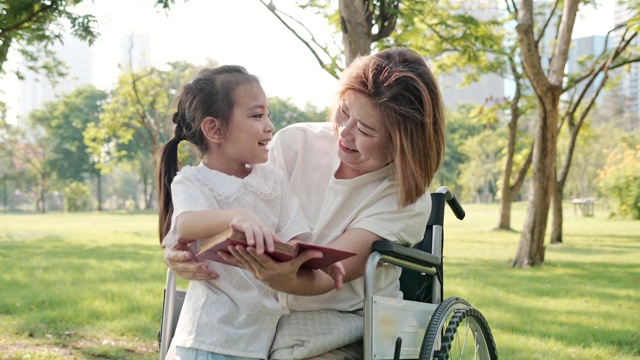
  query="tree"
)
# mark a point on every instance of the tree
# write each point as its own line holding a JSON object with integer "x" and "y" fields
{"x": 519, "y": 105}
{"x": 283, "y": 112}
{"x": 32, "y": 26}
{"x": 459, "y": 128}
{"x": 136, "y": 121}
{"x": 549, "y": 82}
{"x": 482, "y": 168}
{"x": 9, "y": 140}
{"x": 64, "y": 122}
{"x": 547, "y": 86}
{"x": 593, "y": 75}
{"x": 621, "y": 178}
{"x": 589, "y": 157}
{"x": 33, "y": 154}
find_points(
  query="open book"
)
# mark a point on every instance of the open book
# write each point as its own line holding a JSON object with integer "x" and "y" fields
{"x": 282, "y": 251}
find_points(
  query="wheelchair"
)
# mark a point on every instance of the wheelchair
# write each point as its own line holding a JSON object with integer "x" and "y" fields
{"x": 421, "y": 325}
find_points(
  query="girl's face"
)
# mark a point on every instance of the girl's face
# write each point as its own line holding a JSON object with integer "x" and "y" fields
{"x": 362, "y": 143}
{"x": 249, "y": 131}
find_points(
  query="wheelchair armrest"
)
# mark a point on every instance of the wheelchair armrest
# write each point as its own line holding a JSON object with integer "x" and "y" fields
{"x": 416, "y": 256}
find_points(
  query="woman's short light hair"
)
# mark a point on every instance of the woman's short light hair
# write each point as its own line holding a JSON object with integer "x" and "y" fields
{"x": 404, "y": 91}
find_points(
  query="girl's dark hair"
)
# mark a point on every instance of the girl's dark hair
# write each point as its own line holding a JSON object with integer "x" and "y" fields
{"x": 210, "y": 93}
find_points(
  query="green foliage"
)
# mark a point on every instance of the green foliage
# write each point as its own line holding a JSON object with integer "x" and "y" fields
{"x": 137, "y": 115}
{"x": 439, "y": 30}
{"x": 589, "y": 157}
{"x": 621, "y": 178}
{"x": 11, "y": 171}
{"x": 482, "y": 167}
{"x": 33, "y": 156}
{"x": 76, "y": 197}
{"x": 459, "y": 128}
{"x": 9, "y": 137}
{"x": 64, "y": 121}
{"x": 452, "y": 39}
{"x": 283, "y": 112}
{"x": 136, "y": 121}
{"x": 33, "y": 26}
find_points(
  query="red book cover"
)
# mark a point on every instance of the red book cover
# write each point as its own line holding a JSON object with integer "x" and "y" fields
{"x": 282, "y": 252}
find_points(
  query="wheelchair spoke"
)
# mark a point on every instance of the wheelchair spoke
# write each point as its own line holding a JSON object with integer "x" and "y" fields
{"x": 466, "y": 336}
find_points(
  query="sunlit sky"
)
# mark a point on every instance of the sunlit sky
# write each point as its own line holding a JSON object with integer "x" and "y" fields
{"x": 239, "y": 32}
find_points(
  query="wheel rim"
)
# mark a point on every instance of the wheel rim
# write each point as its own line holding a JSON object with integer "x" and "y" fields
{"x": 468, "y": 342}
{"x": 441, "y": 317}
{"x": 467, "y": 337}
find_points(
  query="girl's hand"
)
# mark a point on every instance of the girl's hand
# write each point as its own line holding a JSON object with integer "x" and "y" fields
{"x": 258, "y": 234}
{"x": 182, "y": 262}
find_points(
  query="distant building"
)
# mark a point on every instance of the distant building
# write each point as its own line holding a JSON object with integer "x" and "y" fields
{"x": 581, "y": 48}
{"x": 487, "y": 90}
{"x": 630, "y": 83}
{"x": 135, "y": 52}
{"x": 36, "y": 89}
{"x": 490, "y": 87}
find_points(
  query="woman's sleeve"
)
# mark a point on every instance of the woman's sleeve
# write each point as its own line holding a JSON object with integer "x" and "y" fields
{"x": 405, "y": 225}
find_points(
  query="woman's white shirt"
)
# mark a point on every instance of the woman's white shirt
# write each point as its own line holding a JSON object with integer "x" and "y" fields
{"x": 307, "y": 154}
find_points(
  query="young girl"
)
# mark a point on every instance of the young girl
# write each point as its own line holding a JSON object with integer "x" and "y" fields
{"x": 224, "y": 113}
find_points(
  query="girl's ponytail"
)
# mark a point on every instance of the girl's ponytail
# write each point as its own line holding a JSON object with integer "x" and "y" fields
{"x": 167, "y": 168}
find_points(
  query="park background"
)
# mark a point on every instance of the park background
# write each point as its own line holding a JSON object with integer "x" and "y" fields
{"x": 78, "y": 187}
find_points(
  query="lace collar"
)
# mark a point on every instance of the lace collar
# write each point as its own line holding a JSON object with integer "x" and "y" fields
{"x": 260, "y": 182}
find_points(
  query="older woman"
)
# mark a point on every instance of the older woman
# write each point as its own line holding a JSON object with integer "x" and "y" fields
{"x": 361, "y": 177}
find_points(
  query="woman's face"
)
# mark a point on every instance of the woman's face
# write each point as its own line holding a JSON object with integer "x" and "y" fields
{"x": 362, "y": 143}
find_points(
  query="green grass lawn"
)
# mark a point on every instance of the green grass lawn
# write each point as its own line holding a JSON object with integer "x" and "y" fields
{"x": 89, "y": 285}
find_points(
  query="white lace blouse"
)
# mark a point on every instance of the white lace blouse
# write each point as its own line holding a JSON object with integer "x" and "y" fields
{"x": 234, "y": 314}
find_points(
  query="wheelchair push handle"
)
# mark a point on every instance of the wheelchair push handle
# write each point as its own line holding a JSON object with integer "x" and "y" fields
{"x": 453, "y": 202}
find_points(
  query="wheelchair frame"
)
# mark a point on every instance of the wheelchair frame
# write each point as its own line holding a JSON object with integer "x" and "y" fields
{"x": 433, "y": 331}
{"x": 425, "y": 327}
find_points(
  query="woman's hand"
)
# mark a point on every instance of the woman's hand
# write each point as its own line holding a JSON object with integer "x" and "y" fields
{"x": 336, "y": 271}
{"x": 181, "y": 261}
{"x": 287, "y": 276}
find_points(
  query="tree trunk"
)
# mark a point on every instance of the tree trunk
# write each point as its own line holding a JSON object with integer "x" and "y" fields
{"x": 531, "y": 248}
{"x": 99, "y": 189}
{"x": 43, "y": 194}
{"x": 147, "y": 194}
{"x": 5, "y": 193}
{"x": 548, "y": 88}
{"x": 504, "y": 222}
{"x": 356, "y": 28}
{"x": 508, "y": 191}
{"x": 556, "y": 219}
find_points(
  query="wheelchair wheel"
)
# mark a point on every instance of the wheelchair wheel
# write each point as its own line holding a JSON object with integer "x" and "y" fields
{"x": 458, "y": 331}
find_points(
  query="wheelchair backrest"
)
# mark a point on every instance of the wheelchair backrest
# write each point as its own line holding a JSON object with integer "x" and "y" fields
{"x": 417, "y": 286}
